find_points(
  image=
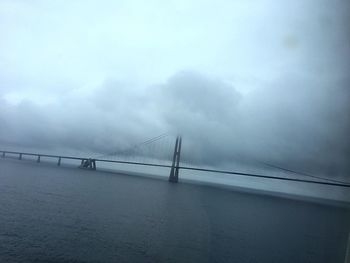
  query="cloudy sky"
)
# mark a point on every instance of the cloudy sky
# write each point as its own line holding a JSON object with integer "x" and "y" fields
{"x": 260, "y": 78}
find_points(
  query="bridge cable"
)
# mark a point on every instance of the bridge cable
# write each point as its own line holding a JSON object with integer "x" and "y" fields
{"x": 302, "y": 173}
{"x": 146, "y": 142}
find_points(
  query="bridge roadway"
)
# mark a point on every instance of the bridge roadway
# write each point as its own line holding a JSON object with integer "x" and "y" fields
{"x": 90, "y": 163}
{"x": 52, "y": 214}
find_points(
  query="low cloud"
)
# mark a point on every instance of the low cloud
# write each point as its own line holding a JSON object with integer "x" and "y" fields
{"x": 299, "y": 122}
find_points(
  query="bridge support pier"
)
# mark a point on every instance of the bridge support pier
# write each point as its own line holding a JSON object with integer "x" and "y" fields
{"x": 20, "y": 156}
{"x": 3, "y": 154}
{"x": 38, "y": 160}
{"x": 88, "y": 164}
{"x": 174, "y": 172}
{"x": 59, "y": 161}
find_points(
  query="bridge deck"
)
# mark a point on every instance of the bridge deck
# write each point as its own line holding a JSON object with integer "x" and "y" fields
{"x": 299, "y": 185}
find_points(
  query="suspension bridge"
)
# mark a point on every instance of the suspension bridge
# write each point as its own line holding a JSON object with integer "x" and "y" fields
{"x": 161, "y": 151}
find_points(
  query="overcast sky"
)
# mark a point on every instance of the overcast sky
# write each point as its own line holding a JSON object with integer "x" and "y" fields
{"x": 262, "y": 78}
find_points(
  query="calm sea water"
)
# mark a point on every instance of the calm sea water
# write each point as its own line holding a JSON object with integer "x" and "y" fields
{"x": 61, "y": 214}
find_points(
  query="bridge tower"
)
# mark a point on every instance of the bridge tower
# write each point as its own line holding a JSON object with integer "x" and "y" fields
{"x": 174, "y": 172}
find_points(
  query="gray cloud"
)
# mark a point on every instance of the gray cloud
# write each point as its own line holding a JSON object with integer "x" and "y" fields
{"x": 267, "y": 80}
{"x": 295, "y": 122}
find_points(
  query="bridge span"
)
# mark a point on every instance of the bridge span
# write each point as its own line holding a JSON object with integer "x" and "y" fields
{"x": 174, "y": 165}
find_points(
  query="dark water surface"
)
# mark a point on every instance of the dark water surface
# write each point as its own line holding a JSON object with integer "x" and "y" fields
{"x": 57, "y": 214}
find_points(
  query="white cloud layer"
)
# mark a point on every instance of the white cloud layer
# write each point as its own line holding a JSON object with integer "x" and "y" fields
{"x": 267, "y": 79}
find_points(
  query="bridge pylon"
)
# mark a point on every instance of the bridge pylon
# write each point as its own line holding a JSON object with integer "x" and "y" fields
{"x": 174, "y": 172}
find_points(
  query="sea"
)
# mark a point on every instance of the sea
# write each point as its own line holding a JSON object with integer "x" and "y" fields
{"x": 66, "y": 214}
